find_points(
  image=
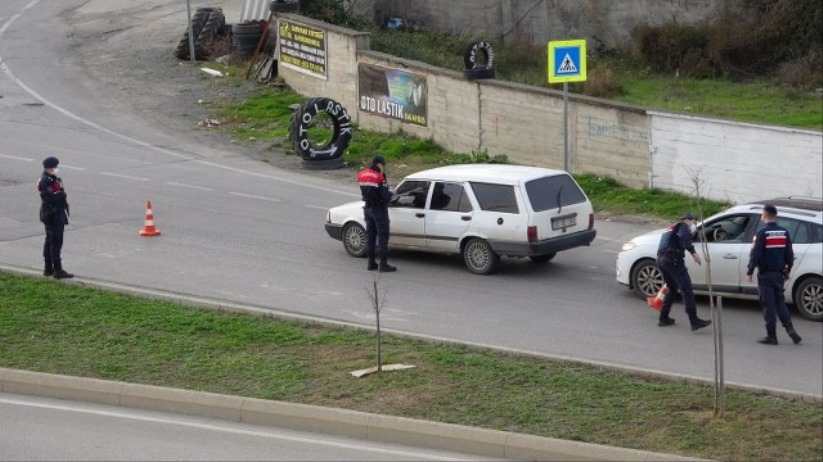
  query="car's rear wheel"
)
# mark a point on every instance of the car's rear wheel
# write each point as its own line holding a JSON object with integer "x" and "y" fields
{"x": 543, "y": 258}
{"x": 646, "y": 278}
{"x": 809, "y": 298}
{"x": 354, "y": 240}
{"x": 479, "y": 257}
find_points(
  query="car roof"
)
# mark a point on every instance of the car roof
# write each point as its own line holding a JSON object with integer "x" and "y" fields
{"x": 798, "y": 206}
{"x": 493, "y": 173}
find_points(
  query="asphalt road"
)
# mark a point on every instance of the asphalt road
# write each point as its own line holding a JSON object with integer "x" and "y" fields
{"x": 36, "y": 428}
{"x": 239, "y": 230}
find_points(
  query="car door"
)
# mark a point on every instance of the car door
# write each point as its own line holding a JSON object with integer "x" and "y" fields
{"x": 728, "y": 240}
{"x": 448, "y": 216}
{"x": 407, "y": 226}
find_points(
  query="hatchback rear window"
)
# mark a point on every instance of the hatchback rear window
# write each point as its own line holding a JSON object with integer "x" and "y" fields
{"x": 552, "y": 192}
{"x": 495, "y": 197}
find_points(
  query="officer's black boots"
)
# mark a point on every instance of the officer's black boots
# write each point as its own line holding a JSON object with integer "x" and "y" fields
{"x": 385, "y": 267}
{"x": 793, "y": 334}
{"x": 770, "y": 338}
{"x": 372, "y": 264}
{"x": 59, "y": 273}
{"x": 48, "y": 269}
{"x": 698, "y": 323}
{"x": 663, "y": 322}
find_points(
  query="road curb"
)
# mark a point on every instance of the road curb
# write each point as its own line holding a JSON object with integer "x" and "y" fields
{"x": 333, "y": 421}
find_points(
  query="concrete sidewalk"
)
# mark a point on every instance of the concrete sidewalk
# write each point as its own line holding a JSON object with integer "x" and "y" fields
{"x": 332, "y": 421}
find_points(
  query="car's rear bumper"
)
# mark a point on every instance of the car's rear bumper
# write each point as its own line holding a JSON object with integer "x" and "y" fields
{"x": 544, "y": 247}
{"x": 335, "y": 231}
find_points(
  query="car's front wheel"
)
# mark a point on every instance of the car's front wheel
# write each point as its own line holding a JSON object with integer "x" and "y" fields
{"x": 809, "y": 298}
{"x": 354, "y": 240}
{"x": 646, "y": 278}
{"x": 479, "y": 257}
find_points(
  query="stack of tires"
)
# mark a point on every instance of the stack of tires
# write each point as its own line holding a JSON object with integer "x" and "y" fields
{"x": 284, "y": 6}
{"x": 244, "y": 38}
{"x": 479, "y": 61}
{"x": 206, "y": 25}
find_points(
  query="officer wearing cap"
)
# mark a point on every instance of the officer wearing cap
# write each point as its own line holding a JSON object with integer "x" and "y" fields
{"x": 671, "y": 253}
{"x": 54, "y": 214}
{"x": 376, "y": 196}
{"x": 773, "y": 256}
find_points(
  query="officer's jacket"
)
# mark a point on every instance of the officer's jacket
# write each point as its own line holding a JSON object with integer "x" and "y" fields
{"x": 373, "y": 187}
{"x": 772, "y": 250}
{"x": 676, "y": 240}
{"x": 53, "y": 202}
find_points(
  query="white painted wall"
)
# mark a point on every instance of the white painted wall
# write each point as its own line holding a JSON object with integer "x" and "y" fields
{"x": 734, "y": 161}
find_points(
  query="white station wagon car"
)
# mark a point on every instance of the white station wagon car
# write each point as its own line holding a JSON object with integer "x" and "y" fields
{"x": 729, "y": 237}
{"x": 480, "y": 211}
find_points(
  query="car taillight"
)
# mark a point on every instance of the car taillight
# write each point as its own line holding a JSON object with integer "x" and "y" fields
{"x": 591, "y": 221}
{"x": 531, "y": 233}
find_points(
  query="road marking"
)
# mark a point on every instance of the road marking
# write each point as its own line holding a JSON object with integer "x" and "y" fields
{"x": 317, "y": 207}
{"x": 24, "y": 159}
{"x": 69, "y": 167}
{"x": 276, "y": 178}
{"x": 273, "y": 434}
{"x": 189, "y": 186}
{"x": 125, "y": 177}
{"x": 252, "y": 196}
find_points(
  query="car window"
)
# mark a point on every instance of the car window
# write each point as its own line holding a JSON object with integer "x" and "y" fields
{"x": 450, "y": 197}
{"x": 815, "y": 233}
{"x": 495, "y": 197}
{"x": 411, "y": 194}
{"x": 800, "y": 232}
{"x": 552, "y": 192}
{"x": 730, "y": 229}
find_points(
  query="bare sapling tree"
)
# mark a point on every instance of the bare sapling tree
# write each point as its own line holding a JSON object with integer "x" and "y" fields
{"x": 377, "y": 304}
{"x": 716, "y": 308}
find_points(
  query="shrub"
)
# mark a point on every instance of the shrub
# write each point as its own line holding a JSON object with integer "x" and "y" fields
{"x": 663, "y": 48}
{"x": 601, "y": 83}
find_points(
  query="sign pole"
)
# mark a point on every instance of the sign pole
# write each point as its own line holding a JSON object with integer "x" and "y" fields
{"x": 566, "y": 126}
{"x": 191, "y": 32}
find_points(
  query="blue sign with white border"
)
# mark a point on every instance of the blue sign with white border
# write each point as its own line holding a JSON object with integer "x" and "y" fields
{"x": 567, "y": 61}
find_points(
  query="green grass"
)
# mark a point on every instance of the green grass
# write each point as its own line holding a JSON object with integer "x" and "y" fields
{"x": 53, "y": 327}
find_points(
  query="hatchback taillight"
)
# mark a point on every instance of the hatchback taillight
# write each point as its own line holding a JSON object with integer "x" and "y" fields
{"x": 531, "y": 233}
{"x": 591, "y": 221}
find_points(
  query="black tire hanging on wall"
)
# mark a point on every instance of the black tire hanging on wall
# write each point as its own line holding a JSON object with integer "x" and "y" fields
{"x": 341, "y": 130}
{"x": 283, "y": 6}
{"x": 478, "y": 60}
{"x": 198, "y": 20}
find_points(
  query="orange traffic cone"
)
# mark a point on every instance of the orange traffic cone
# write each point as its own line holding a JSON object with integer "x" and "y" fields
{"x": 656, "y": 302}
{"x": 148, "y": 227}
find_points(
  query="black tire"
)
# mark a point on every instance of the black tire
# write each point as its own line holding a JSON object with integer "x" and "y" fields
{"x": 543, "y": 258}
{"x": 283, "y": 6}
{"x": 244, "y": 38}
{"x": 809, "y": 298}
{"x": 341, "y": 130}
{"x": 479, "y": 73}
{"x": 646, "y": 278}
{"x": 479, "y": 257}
{"x": 354, "y": 240}
{"x": 479, "y": 55}
{"x": 209, "y": 31}
{"x": 198, "y": 20}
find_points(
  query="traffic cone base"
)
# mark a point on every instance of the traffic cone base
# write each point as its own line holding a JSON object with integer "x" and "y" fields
{"x": 656, "y": 302}
{"x": 148, "y": 227}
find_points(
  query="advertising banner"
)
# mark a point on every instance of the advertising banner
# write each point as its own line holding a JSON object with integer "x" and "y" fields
{"x": 393, "y": 93}
{"x": 302, "y": 48}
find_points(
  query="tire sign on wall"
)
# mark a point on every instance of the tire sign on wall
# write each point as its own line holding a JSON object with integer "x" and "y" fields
{"x": 393, "y": 93}
{"x": 302, "y": 48}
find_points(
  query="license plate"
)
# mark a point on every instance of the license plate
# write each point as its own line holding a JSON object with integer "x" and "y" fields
{"x": 563, "y": 222}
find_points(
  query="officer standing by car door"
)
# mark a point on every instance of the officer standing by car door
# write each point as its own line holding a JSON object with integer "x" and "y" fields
{"x": 773, "y": 256}
{"x": 376, "y": 195}
{"x": 54, "y": 214}
{"x": 671, "y": 252}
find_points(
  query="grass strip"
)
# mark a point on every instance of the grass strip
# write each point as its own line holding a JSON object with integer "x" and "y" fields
{"x": 54, "y": 327}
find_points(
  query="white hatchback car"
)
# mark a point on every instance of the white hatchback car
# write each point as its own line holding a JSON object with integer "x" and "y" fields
{"x": 480, "y": 211}
{"x": 729, "y": 237}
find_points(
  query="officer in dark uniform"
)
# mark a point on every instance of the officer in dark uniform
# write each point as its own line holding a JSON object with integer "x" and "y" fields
{"x": 773, "y": 256}
{"x": 376, "y": 195}
{"x": 54, "y": 214}
{"x": 671, "y": 252}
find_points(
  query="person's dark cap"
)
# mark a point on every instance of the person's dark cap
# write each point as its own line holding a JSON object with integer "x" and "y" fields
{"x": 50, "y": 162}
{"x": 687, "y": 216}
{"x": 378, "y": 160}
{"x": 770, "y": 210}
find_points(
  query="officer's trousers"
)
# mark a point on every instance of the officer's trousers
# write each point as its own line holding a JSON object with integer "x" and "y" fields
{"x": 677, "y": 278}
{"x": 770, "y": 287}
{"x": 54, "y": 242}
{"x": 377, "y": 232}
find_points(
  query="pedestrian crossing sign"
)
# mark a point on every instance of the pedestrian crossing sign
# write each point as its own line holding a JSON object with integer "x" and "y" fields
{"x": 567, "y": 61}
